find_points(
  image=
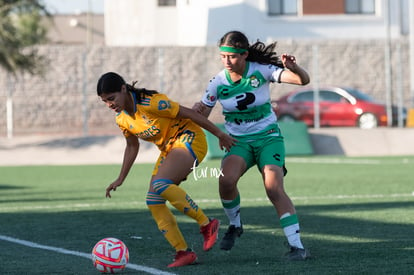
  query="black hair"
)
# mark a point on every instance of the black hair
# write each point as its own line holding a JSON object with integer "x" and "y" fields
{"x": 258, "y": 52}
{"x": 112, "y": 82}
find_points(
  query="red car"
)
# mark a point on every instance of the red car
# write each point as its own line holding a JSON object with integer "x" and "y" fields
{"x": 337, "y": 107}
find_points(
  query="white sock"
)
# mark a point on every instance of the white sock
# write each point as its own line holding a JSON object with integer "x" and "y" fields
{"x": 293, "y": 235}
{"x": 291, "y": 229}
{"x": 232, "y": 213}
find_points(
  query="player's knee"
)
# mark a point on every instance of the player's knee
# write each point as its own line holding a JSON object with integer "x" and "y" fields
{"x": 228, "y": 183}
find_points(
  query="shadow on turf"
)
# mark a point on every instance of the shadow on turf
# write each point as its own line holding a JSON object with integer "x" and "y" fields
{"x": 10, "y": 187}
{"x": 339, "y": 245}
{"x": 76, "y": 142}
{"x": 70, "y": 142}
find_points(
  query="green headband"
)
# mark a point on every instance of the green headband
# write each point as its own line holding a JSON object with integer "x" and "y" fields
{"x": 232, "y": 49}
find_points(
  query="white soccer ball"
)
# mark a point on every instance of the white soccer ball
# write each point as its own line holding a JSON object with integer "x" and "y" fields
{"x": 110, "y": 255}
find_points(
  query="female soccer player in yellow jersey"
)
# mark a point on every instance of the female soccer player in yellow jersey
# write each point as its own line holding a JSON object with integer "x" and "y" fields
{"x": 175, "y": 129}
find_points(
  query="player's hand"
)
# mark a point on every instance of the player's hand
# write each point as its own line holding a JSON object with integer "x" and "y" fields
{"x": 112, "y": 187}
{"x": 289, "y": 61}
{"x": 199, "y": 107}
{"x": 226, "y": 141}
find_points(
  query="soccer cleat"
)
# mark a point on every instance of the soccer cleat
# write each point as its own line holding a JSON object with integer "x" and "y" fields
{"x": 210, "y": 234}
{"x": 297, "y": 254}
{"x": 232, "y": 233}
{"x": 184, "y": 257}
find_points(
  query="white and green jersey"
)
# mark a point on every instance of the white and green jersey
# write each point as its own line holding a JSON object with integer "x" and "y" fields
{"x": 246, "y": 104}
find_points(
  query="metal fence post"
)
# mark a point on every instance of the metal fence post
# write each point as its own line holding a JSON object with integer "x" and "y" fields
{"x": 315, "y": 81}
{"x": 9, "y": 107}
{"x": 85, "y": 129}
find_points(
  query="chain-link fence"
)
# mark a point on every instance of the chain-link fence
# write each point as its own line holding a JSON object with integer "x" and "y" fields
{"x": 64, "y": 101}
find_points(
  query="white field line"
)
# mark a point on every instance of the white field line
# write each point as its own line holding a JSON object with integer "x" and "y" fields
{"x": 140, "y": 203}
{"x": 348, "y": 161}
{"x": 332, "y": 160}
{"x": 146, "y": 269}
{"x": 327, "y": 197}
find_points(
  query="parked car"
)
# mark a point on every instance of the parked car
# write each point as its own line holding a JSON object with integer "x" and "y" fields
{"x": 338, "y": 106}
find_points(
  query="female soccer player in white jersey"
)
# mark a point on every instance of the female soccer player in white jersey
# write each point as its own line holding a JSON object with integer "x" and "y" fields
{"x": 243, "y": 90}
{"x": 175, "y": 129}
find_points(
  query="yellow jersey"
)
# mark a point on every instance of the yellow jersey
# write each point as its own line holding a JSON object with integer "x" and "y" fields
{"x": 154, "y": 120}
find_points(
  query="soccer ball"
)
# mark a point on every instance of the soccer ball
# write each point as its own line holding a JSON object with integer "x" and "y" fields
{"x": 110, "y": 255}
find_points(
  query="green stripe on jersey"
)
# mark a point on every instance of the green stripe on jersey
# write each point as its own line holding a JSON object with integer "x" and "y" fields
{"x": 246, "y": 84}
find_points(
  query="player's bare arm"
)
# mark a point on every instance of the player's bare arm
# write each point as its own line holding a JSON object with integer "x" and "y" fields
{"x": 225, "y": 140}
{"x": 201, "y": 108}
{"x": 130, "y": 154}
{"x": 295, "y": 73}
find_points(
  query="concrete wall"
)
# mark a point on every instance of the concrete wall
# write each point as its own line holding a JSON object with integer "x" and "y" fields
{"x": 202, "y": 22}
{"x": 356, "y": 142}
{"x": 108, "y": 149}
{"x": 64, "y": 100}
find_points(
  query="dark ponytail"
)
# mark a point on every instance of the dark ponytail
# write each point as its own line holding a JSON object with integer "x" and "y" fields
{"x": 139, "y": 92}
{"x": 112, "y": 83}
{"x": 258, "y": 52}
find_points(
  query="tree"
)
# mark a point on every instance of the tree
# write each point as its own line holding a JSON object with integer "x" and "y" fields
{"x": 21, "y": 29}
